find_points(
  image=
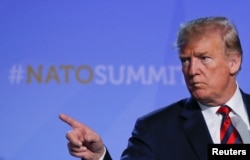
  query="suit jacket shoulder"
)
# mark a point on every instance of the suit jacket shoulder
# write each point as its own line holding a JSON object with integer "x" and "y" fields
{"x": 177, "y": 131}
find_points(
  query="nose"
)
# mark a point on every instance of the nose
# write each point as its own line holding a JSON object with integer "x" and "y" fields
{"x": 193, "y": 67}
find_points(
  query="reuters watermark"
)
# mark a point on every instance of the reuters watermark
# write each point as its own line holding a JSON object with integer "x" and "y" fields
{"x": 99, "y": 74}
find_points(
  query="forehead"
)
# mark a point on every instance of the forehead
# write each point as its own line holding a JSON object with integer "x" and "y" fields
{"x": 209, "y": 43}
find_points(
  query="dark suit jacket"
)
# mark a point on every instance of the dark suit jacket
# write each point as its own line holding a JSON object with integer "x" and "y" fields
{"x": 176, "y": 132}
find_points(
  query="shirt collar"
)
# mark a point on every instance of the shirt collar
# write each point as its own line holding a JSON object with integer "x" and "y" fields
{"x": 234, "y": 103}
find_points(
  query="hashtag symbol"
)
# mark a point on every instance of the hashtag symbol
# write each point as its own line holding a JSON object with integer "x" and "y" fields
{"x": 16, "y": 74}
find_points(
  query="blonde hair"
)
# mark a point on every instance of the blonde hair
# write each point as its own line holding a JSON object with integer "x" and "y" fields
{"x": 199, "y": 27}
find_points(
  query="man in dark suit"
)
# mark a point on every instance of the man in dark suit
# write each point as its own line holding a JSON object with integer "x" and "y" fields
{"x": 211, "y": 55}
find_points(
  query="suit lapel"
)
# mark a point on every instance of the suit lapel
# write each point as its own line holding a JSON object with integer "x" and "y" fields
{"x": 246, "y": 99}
{"x": 195, "y": 128}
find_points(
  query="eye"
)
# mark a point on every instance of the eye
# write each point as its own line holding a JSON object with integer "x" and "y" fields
{"x": 185, "y": 61}
{"x": 205, "y": 59}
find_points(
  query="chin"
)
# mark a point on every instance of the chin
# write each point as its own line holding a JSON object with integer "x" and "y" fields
{"x": 200, "y": 95}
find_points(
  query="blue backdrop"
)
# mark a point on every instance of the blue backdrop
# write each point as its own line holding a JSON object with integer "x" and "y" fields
{"x": 103, "y": 62}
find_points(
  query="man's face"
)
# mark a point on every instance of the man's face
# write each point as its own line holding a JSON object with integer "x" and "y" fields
{"x": 208, "y": 70}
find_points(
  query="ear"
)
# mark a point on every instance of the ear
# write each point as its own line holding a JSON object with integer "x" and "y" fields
{"x": 234, "y": 62}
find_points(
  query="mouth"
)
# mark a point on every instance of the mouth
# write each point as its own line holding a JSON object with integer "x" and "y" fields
{"x": 195, "y": 84}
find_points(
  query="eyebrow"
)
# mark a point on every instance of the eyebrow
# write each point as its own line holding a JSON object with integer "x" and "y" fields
{"x": 196, "y": 54}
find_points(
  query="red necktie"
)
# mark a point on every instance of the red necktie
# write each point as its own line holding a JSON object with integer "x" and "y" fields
{"x": 228, "y": 133}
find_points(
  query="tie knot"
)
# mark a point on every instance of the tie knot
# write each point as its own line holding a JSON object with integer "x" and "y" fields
{"x": 224, "y": 110}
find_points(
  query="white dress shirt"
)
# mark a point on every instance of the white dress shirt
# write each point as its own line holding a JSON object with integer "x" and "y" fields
{"x": 238, "y": 117}
{"x": 102, "y": 157}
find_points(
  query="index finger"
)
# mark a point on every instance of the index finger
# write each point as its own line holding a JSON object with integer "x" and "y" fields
{"x": 70, "y": 121}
